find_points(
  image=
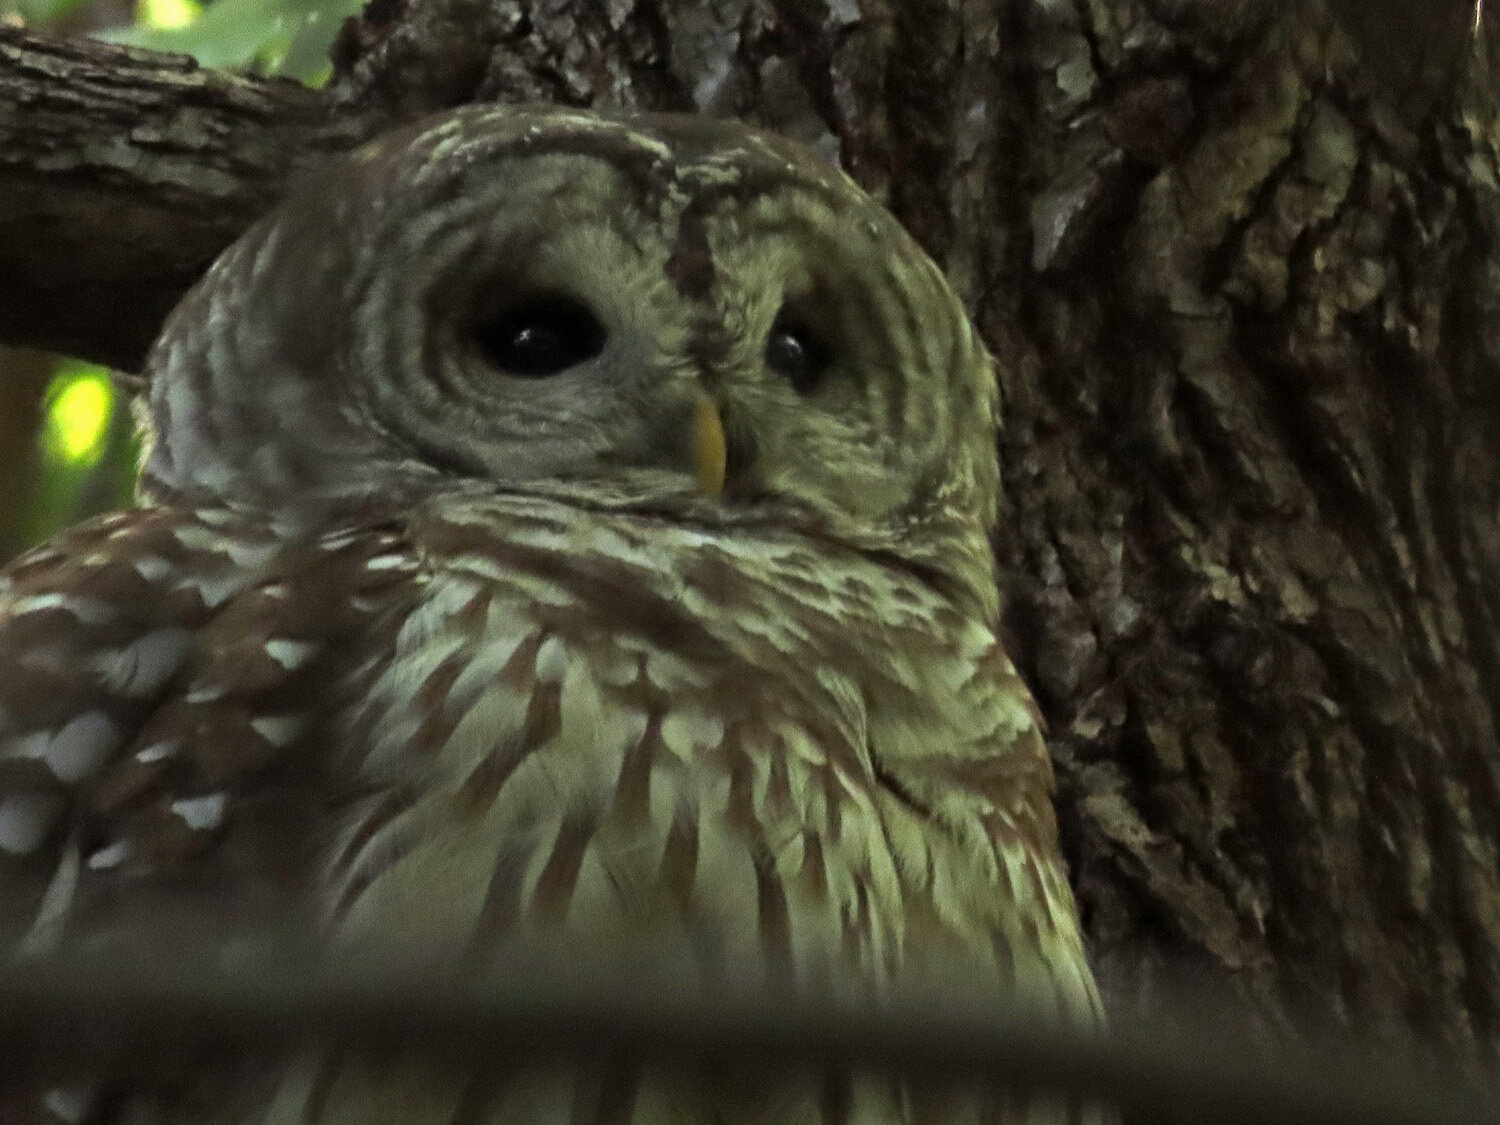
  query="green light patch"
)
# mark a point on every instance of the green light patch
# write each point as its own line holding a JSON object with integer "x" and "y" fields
{"x": 79, "y": 403}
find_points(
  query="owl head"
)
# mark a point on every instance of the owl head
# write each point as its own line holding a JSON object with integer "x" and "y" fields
{"x": 679, "y": 315}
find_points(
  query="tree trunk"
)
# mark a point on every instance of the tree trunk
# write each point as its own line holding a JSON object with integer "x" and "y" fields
{"x": 1237, "y": 262}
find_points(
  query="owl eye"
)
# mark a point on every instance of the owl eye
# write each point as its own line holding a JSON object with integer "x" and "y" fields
{"x": 541, "y": 336}
{"x": 797, "y": 354}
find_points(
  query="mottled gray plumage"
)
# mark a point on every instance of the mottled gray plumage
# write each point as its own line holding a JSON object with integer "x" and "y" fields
{"x": 435, "y": 631}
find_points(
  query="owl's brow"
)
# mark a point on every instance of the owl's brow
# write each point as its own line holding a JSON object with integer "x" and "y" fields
{"x": 656, "y": 161}
{"x": 642, "y": 160}
{"x": 690, "y": 265}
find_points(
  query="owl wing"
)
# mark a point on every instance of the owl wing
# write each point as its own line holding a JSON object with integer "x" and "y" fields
{"x": 968, "y": 787}
{"x": 150, "y": 662}
{"x": 156, "y": 665}
{"x": 95, "y": 629}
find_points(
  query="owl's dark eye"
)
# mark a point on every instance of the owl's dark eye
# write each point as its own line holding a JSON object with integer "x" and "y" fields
{"x": 541, "y": 336}
{"x": 797, "y": 354}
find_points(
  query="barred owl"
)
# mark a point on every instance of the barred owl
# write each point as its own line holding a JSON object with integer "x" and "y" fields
{"x": 564, "y": 526}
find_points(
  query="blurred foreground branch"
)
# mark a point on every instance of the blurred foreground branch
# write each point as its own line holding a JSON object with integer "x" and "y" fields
{"x": 74, "y": 1008}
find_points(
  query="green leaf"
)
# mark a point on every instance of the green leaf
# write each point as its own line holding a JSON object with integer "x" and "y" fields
{"x": 79, "y": 404}
{"x": 289, "y": 37}
{"x": 88, "y": 451}
{"x": 38, "y": 13}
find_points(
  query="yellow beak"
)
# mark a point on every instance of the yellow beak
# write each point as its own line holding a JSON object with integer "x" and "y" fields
{"x": 709, "y": 451}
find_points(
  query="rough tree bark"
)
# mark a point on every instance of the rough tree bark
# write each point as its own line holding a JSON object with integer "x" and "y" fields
{"x": 1237, "y": 260}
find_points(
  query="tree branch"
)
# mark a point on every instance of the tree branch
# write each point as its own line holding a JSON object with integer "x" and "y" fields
{"x": 123, "y": 173}
{"x": 530, "y": 1003}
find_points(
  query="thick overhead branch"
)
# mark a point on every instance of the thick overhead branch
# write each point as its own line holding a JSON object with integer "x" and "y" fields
{"x": 122, "y": 174}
